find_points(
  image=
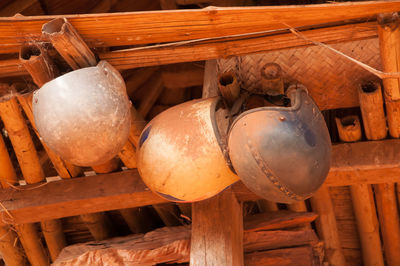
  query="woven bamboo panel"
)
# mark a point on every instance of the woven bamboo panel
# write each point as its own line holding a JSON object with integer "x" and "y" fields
{"x": 331, "y": 79}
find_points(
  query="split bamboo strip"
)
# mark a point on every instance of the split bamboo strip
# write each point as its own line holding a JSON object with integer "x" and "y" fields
{"x": 132, "y": 28}
{"x": 362, "y": 195}
{"x": 62, "y": 34}
{"x": 30, "y": 240}
{"x": 326, "y": 225}
{"x": 372, "y": 110}
{"x": 349, "y": 128}
{"x": 10, "y": 248}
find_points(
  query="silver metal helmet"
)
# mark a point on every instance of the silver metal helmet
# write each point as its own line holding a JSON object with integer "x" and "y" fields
{"x": 282, "y": 154}
{"x": 84, "y": 115}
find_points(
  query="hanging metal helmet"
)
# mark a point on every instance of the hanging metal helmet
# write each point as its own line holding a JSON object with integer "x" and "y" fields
{"x": 180, "y": 154}
{"x": 282, "y": 154}
{"x": 84, "y": 115}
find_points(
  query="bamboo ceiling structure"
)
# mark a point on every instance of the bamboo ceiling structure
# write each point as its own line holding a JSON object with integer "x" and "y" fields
{"x": 48, "y": 204}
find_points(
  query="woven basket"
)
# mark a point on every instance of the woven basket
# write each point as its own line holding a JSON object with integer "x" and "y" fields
{"x": 326, "y": 74}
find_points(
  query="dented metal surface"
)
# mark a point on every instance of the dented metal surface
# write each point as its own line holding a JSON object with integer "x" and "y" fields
{"x": 84, "y": 115}
{"x": 282, "y": 154}
{"x": 180, "y": 155}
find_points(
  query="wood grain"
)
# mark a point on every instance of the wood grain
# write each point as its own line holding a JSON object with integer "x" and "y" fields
{"x": 214, "y": 240}
{"x": 175, "y": 25}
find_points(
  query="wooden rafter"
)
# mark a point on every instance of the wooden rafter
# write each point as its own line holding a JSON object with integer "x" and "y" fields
{"x": 177, "y": 25}
{"x": 353, "y": 163}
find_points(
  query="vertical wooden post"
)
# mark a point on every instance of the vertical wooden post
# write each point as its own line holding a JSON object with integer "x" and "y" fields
{"x": 362, "y": 195}
{"x": 217, "y": 231}
{"x": 214, "y": 240}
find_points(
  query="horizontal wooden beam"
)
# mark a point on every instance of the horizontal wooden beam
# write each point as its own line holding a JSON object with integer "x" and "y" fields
{"x": 369, "y": 162}
{"x": 206, "y": 50}
{"x": 76, "y": 196}
{"x": 132, "y": 28}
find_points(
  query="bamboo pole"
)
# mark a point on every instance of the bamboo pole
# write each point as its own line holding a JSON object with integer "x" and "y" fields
{"x": 152, "y": 90}
{"x": 69, "y": 43}
{"x": 389, "y": 39}
{"x": 10, "y": 248}
{"x": 326, "y": 225}
{"x": 362, "y": 195}
{"x": 77, "y": 54}
{"x": 229, "y": 87}
{"x": 373, "y": 114}
{"x": 38, "y": 64}
{"x": 349, "y": 128}
{"x": 267, "y": 206}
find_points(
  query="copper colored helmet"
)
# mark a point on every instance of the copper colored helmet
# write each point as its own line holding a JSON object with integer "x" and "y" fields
{"x": 282, "y": 154}
{"x": 181, "y": 152}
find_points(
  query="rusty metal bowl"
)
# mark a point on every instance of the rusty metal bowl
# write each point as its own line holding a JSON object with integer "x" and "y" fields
{"x": 180, "y": 154}
{"x": 84, "y": 115}
{"x": 282, "y": 154}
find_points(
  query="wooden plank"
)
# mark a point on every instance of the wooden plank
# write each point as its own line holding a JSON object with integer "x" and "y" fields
{"x": 130, "y": 28}
{"x": 299, "y": 256}
{"x": 263, "y": 240}
{"x": 134, "y": 58}
{"x": 369, "y": 162}
{"x": 77, "y": 196}
{"x": 277, "y": 220}
{"x": 215, "y": 241}
{"x": 353, "y": 163}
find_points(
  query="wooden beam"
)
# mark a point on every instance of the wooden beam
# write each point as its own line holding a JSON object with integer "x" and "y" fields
{"x": 369, "y": 162}
{"x": 132, "y": 28}
{"x": 277, "y": 220}
{"x": 135, "y": 58}
{"x": 77, "y": 196}
{"x": 300, "y": 256}
{"x": 215, "y": 241}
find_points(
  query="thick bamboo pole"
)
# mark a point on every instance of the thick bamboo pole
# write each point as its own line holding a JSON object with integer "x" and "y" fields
{"x": 373, "y": 114}
{"x": 389, "y": 39}
{"x": 10, "y": 248}
{"x": 63, "y": 35}
{"x": 152, "y": 90}
{"x": 30, "y": 240}
{"x": 362, "y": 195}
{"x": 321, "y": 203}
{"x": 349, "y": 128}
{"x": 389, "y": 219}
